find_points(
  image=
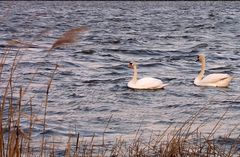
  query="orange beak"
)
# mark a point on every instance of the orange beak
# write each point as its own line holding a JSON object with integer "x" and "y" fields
{"x": 130, "y": 65}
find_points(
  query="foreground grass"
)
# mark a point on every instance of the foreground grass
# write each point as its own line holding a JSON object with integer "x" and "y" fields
{"x": 184, "y": 140}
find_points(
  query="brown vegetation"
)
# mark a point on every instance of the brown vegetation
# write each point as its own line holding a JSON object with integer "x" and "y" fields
{"x": 68, "y": 37}
{"x": 185, "y": 140}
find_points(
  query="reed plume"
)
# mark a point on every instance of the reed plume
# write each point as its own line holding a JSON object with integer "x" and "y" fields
{"x": 68, "y": 37}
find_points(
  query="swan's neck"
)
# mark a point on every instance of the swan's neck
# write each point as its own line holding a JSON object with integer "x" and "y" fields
{"x": 134, "y": 78}
{"x": 201, "y": 73}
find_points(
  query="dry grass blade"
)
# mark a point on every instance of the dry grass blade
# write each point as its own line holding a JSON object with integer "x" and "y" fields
{"x": 2, "y": 62}
{"x": 106, "y": 129}
{"x": 68, "y": 147}
{"x": 18, "y": 43}
{"x": 77, "y": 145}
{"x": 45, "y": 110}
{"x": 68, "y": 37}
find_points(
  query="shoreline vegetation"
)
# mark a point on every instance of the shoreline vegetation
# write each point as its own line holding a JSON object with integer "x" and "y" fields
{"x": 16, "y": 107}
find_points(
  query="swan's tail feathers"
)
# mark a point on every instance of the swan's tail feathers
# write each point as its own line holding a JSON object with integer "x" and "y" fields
{"x": 164, "y": 85}
{"x": 224, "y": 82}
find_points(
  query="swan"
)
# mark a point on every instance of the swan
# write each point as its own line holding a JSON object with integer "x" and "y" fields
{"x": 213, "y": 80}
{"x": 144, "y": 83}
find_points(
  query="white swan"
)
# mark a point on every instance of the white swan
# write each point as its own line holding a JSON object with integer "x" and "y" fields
{"x": 144, "y": 83}
{"x": 213, "y": 80}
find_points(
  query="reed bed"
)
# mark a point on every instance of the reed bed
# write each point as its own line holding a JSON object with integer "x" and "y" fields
{"x": 184, "y": 140}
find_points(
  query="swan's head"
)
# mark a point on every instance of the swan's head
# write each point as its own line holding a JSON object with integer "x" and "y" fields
{"x": 201, "y": 58}
{"x": 132, "y": 65}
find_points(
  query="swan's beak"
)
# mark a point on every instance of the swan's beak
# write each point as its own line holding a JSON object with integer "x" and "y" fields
{"x": 197, "y": 60}
{"x": 130, "y": 65}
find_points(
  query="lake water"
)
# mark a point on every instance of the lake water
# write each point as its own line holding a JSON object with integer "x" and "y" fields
{"x": 89, "y": 87}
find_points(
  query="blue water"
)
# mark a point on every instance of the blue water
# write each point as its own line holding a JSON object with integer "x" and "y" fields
{"x": 90, "y": 84}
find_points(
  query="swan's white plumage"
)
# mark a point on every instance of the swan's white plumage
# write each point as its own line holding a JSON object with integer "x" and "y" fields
{"x": 214, "y": 80}
{"x": 144, "y": 83}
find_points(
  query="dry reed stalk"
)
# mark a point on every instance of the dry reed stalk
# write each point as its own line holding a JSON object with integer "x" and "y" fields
{"x": 117, "y": 147}
{"x": 188, "y": 123}
{"x": 68, "y": 37}
{"x": 15, "y": 63}
{"x": 25, "y": 44}
{"x": 52, "y": 154}
{"x": 77, "y": 145}
{"x": 10, "y": 120}
{"x": 213, "y": 131}
{"x": 92, "y": 144}
{"x": 12, "y": 126}
{"x": 15, "y": 140}
{"x": 68, "y": 147}
{"x": 30, "y": 82}
{"x": 2, "y": 61}
{"x": 178, "y": 145}
{"x": 175, "y": 144}
{"x": 16, "y": 148}
{"x": 14, "y": 66}
{"x": 30, "y": 128}
{"x": 135, "y": 147}
{"x": 211, "y": 146}
{"x": 103, "y": 143}
{"x": 45, "y": 109}
{"x": 160, "y": 137}
{"x": 8, "y": 88}
{"x": 88, "y": 147}
{"x": 19, "y": 43}
{"x": 234, "y": 148}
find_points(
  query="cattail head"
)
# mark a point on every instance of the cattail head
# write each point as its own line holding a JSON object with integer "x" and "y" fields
{"x": 68, "y": 37}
